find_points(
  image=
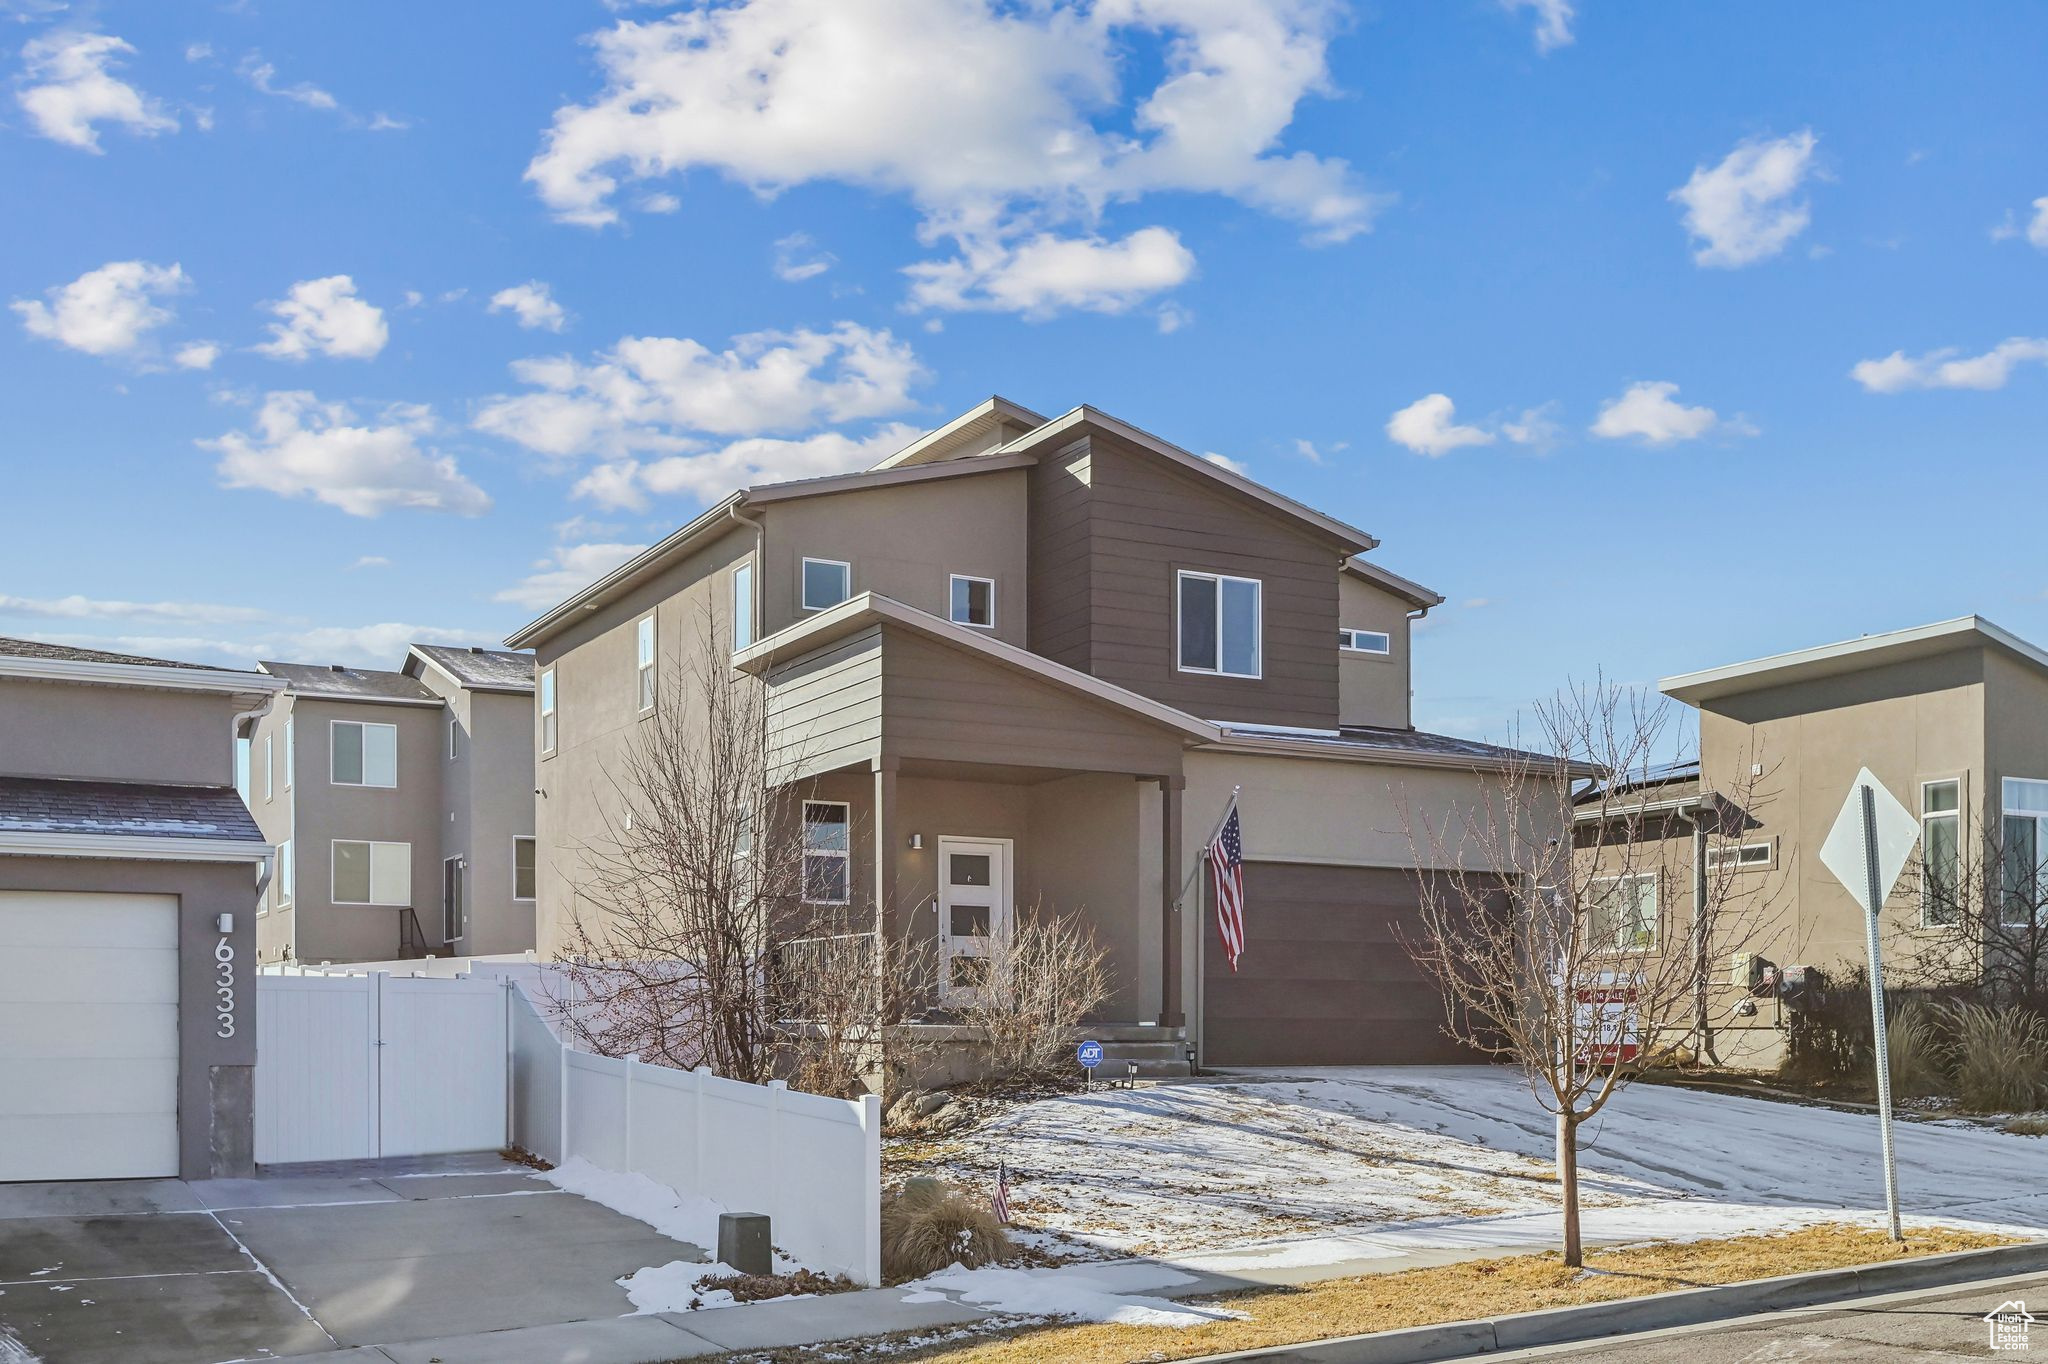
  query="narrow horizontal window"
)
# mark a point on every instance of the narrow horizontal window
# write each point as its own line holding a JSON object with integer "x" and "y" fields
{"x": 1365, "y": 641}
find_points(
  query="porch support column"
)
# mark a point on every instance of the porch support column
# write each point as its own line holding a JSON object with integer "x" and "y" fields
{"x": 886, "y": 927}
{"x": 1170, "y": 1012}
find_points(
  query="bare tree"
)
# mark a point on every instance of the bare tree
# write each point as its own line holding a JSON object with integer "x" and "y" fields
{"x": 1032, "y": 989}
{"x": 1544, "y": 921}
{"x": 1973, "y": 911}
{"x": 839, "y": 1003}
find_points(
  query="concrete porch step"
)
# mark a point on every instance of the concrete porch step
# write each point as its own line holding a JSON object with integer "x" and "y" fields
{"x": 1156, "y": 1059}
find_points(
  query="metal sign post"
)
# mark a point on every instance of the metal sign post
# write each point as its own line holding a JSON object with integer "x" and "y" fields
{"x": 1866, "y": 850}
{"x": 1089, "y": 1054}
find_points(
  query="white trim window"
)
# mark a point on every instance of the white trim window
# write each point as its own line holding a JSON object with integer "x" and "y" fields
{"x": 1941, "y": 850}
{"x": 548, "y": 731}
{"x": 284, "y": 875}
{"x": 742, "y": 607}
{"x": 824, "y": 583}
{"x": 2025, "y": 844}
{"x": 1623, "y": 914}
{"x": 525, "y": 873}
{"x": 269, "y": 771}
{"x": 243, "y": 764}
{"x": 291, "y": 751}
{"x": 828, "y": 852}
{"x": 971, "y": 601}
{"x": 454, "y": 728}
{"x": 1742, "y": 856}
{"x": 362, "y": 753}
{"x": 1365, "y": 642}
{"x": 643, "y": 634}
{"x": 1221, "y": 621}
{"x": 367, "y": 873}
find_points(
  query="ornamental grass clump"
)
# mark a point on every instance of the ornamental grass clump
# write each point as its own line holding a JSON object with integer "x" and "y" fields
{"x": 928, "y": 1226}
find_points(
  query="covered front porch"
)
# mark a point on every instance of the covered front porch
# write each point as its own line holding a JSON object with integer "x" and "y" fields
{"x": 974, "y": 784}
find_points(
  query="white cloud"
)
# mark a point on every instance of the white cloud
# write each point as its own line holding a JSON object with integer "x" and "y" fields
{"x": 107, "y": 311}
{"x": 1649, "y": 413}
{"x": 1553, "y": 21}
{"x": 199, "y": 52}
{"x": 368, "y": 646}
{"x": 797, "y": 257}
{"x": 1743, "y": 210}
{"x": 1172, "y": 317}
{"x": 77, "y": 607}
{"x": 1236, "y": 466}
{"x": 710, "y": 474}
{"x": 1537, "y": 427}
{"x": 196, "y": 355}
{"x": 1016, "y": 126}
{"x": 370, "y": 561}
{"x": 302, "y": 447}
{"x": 1428, "y": 426}
{"x": 263, "y": 76}
{"x": 2035, "y": 229}
{"x": 657, "y": 393}
{"x": 1946, "y": 369}
{"x": 324, "y": 317}
{"x": 565, "y": 572}
{"x": 1042, "y": 275}
{"x": 68, "y": 89}
{"x": 533, "y": 303}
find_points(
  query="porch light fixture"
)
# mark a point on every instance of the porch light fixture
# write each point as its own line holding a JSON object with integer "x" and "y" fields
{"x": 917, "y": 842}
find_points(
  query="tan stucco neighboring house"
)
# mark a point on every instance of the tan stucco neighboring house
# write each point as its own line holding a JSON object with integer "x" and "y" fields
{"x": 401, "y": 803}
{"x": 1948, "y": 716}
{"x": 1029, "y": 660}
{"x": 130, "y": 874}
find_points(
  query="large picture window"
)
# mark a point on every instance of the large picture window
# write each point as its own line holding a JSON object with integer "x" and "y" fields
{"x": 1623, "y": 914}
{"x": 372, "y": 873}
{"x": 828, "y": 846}
{"x": 1220, "y": 624}
{"x": 364, "y": 754}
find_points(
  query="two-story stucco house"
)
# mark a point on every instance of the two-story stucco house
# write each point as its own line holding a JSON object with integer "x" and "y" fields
{"x": 401, "y": 804}
{"x": 129, "y": 878}
{"x": 1028, "y": 661}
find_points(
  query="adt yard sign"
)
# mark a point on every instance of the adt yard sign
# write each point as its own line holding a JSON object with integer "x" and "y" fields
{"x": 1090, "y": 1055}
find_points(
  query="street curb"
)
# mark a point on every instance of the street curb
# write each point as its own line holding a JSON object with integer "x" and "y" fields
{"x": 1626, "y": 1316}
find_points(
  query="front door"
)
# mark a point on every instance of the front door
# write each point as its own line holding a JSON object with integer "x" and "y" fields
{"x": 451, "y": 900}
{"x": 975, "y": 913}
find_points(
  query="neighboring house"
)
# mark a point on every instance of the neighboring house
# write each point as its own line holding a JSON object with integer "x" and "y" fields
{"x": 1027, "y": 661}
{"x": 1947, "y": 716}
{"x": 402, "y": 807}
{"x": 129, "y": 879}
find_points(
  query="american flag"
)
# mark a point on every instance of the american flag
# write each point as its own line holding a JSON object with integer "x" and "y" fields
{"x": 1001, "y": 1202}
{"x": 1226, "y": 870}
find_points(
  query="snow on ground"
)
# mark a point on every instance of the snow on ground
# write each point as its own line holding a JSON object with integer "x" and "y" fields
{"x": 1115, "y": 1293}
{"x": 1322, "y": 1166}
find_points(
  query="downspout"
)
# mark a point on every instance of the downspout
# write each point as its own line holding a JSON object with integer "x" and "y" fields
{"x": 268, "y": 866}
{"x": 1701, "y": 1024}
{"x": 760, "y": 560}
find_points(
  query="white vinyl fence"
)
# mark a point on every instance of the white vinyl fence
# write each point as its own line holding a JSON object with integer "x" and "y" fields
{"x": 353, "y": 1067}
{"x": 812, "y": 1164}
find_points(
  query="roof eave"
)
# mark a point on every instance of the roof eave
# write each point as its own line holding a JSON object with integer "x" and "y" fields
{"x": 148, "y": 676}
{"x": 135, "y": 848}
{"x": 1408, "y": 589}
{"x": 593, "y": 596}
{"x": 1845, "y": 656}
{"x": 1351, "y": 751}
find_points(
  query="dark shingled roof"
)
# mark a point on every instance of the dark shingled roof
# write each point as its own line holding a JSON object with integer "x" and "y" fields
{"x": 348, "y": 684}
{"x": 67, "y": 653}
{"x": 482, "y": 669}
{"x": 46, "y": 806}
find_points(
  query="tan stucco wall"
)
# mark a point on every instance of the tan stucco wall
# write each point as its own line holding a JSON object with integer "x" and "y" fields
{"x": 96, "y": 733}
{"x": 1373, "y": 689}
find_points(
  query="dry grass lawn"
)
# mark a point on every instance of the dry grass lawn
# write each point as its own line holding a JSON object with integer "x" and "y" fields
{"x": 1416, "y": 1297}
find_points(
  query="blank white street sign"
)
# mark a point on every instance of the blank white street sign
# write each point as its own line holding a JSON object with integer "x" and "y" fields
{"x": 1897, "y": 832}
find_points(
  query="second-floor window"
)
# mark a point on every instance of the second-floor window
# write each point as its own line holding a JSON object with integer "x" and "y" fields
{"x": 742, "y": 607}
{"x": 1220, "y": 624}
{"x": 826, "y": 583}
{"x": 523, "y": 877}
{"x": 644, "y": 658}
{"x": 363, "y": 754}
{"x": 1941, "y": 820}
{"x": 372, "y": 873}
{"x": 284, "y": 874}
{"x": 291, "y": 751}
{"x": 269, "y": 772}
{"x": 1365, "y": 641}
{"x": 973, "y": 602}
{"x": 547, "y": 711}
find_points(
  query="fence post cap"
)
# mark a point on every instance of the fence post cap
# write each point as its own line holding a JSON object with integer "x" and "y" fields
{"x": 778, "y": 1084}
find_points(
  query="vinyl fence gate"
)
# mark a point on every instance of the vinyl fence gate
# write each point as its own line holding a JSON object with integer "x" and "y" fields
{"x": 354, "y": 1067}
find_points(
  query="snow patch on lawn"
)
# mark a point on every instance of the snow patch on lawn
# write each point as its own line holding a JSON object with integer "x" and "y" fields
{"x": 1108, "y": 1293}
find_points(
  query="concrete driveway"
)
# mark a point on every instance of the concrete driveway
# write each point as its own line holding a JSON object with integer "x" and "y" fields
{"x": 313, "y": 1258}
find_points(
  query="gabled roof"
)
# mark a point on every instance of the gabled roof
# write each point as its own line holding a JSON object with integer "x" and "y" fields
{"x": 984, "y": 425}
{"x": 1850, "y": 656}
{"x": 475, "y": 668}
{"x": 859, "y": 613}
{"x": 36, "y": 660}
{"x": 43, "y": 817}
{"x": 1422, "y": 597}
{"x": 333, "y": 681}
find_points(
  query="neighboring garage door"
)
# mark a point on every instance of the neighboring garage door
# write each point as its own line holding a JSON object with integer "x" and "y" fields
{"x": 88, "y": 1036}
{"x": 1324, "y": 980}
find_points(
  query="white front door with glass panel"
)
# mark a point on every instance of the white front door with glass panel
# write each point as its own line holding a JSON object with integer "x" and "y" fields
{"x": 976, "y": 913}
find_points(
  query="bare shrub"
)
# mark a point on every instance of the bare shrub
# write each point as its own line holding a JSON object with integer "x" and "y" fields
{"x": 839, "y": 1002}
{"x": 1034, "y": 991}
{"x": 2001, "y": 1058}
{"x": 928, "y": 1226}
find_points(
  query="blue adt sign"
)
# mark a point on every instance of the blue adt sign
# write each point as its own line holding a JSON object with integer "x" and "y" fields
{"x": 1090, "y": 1055}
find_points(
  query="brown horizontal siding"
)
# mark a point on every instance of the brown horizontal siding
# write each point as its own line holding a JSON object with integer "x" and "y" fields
{"x": 826, "y": 709}
{"x": 1325, "y": 978}
{"x": 1058, "y": 624}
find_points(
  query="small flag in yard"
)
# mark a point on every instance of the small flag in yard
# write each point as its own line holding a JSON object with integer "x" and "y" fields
{"x": 1001, "y": 1202}
{"x": 1226, "y": 870}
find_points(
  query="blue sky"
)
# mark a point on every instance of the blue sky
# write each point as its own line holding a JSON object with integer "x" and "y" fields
{"x": 1654, "y": 336}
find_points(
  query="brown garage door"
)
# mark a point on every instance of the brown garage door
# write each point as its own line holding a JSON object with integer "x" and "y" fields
{"x": 1324, "y": 979}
